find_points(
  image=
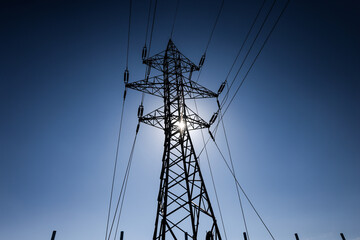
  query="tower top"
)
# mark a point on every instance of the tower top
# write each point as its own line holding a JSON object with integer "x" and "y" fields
{"x": 168, "y": 56}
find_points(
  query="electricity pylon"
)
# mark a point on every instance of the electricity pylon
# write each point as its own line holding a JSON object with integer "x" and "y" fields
{"x": 184, "y": 209}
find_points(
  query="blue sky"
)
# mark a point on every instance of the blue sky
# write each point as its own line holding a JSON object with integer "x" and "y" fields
{"x": 293, "y": 128}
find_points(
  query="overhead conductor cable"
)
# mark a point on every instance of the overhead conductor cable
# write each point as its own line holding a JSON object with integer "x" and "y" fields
{"x": 126, "y": 79}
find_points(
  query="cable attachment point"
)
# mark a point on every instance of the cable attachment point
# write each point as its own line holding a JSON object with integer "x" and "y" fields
{"x": 218, "y": 103}
{"x": 202, "y": 60}
{"x": 147, "y": 71}
{"x": 221, "y": 88}
{"x": 144, "y": 52}
{"x": 140, "y": 111}
{"x": 124, "y": 93}
{"x": 191, "y": 72}
{"x": 211, "y": 135}
{"x": 126, "y": 76}
{"x": 137, "y": 127}
{"x": 213, "y": 118}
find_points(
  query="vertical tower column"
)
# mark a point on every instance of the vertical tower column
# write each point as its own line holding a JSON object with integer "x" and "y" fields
{"x": 183, "y": 204}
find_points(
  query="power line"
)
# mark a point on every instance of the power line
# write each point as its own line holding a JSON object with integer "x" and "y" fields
{"x": 176, "y": 11}
{"x": 249, "y": 50}
{"x": 222, "y": 121}
{"x": 236, "y": 186}
{"x": 202, "y": 134}
{"x": 212, "y": 176}
{"x": 216, "y": 21}
{"x": 123, "y": 186}
{"x": 126, "y": 181}
{"x": 211, "y": 35}
{"x": 237, "y": 182}
{"x": 146, "y": 53}
{"x": 256, "y": 57}
{"x": 252, "y": 64}
{"x": 128, "y": 40}
{"x": 148, "y": 22}
{"x": 231, "y": 171}
{"x": 115, "y": 167}
{"x": 225, "y": 97}
{"x": 246, "y": 38}
{"x": 126, "y": 75}
{"x": 147, "y": 70}
{"x": 152, "y": 26}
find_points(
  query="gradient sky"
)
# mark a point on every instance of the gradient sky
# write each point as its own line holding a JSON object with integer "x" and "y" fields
{"x": 294, "y": 127}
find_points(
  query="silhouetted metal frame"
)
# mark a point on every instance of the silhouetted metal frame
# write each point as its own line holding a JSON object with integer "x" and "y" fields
{"x": 182, "y": 190}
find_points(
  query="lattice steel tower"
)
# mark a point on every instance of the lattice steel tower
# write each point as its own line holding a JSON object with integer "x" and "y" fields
{"x": 184, "y": 210}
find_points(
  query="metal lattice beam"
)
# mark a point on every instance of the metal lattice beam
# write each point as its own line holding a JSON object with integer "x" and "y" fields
{"x": 183, "y": 202}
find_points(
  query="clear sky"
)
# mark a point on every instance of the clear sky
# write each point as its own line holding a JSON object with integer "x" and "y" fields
{"x": 294, "y": 127}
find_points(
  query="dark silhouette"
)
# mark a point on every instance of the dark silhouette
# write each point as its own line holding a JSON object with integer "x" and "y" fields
{"x": 53, "y": 235}
{"x": 183, "y": 199}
